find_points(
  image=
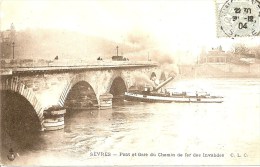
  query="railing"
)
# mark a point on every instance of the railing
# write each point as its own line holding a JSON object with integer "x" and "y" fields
{"x": 31, "y": 63}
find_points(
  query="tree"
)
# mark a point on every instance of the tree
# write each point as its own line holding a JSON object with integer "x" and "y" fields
{"x": 256, "y": 51}
{"x": 240, "y": 49}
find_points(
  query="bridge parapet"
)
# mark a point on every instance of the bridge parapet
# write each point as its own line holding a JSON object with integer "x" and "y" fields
{"x": 36, "y": 63}
{"x": 16, "y": 67}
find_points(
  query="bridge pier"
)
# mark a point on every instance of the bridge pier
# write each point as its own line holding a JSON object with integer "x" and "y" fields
{"x": 105, "y": 101}
{"x": 54, "y": 118}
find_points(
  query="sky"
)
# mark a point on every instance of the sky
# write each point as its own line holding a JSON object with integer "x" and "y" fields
{"x": 176, "y": 25}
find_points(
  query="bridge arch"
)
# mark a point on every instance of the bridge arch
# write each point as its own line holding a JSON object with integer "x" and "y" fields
{"x": 163, "y": 76}
{"x": 153, "y": 76}
{"x": 78, "y": 93}
{"x": 18, "y": 98}
{"x": 18, "y": 115}
{"x": 81, "y": 96}
{"x": 117, "y": 87}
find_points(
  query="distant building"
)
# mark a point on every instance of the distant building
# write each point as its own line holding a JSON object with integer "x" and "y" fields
{"x": 6, "y": 39}
{"x": 216, "y": 55}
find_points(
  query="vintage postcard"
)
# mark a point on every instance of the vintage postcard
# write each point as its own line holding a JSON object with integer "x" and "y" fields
{"x": 116, "y": 83}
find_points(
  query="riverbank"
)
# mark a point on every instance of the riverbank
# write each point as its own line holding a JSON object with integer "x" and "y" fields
{"x": 220, "y": 70}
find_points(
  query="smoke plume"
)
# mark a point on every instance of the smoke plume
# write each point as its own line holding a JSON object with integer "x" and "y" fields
{"x": 142, "y": 79}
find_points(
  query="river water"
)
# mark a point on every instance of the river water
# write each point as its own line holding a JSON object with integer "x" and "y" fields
{"x": 159, "y": 134}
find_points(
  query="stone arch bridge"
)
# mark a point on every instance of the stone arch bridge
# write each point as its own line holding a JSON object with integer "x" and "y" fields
{"x": 33, "y": 90}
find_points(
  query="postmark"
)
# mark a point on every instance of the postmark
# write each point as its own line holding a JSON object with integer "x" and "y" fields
{"x": 238, "y": 18}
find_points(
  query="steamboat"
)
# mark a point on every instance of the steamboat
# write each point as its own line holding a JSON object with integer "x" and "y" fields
{"x": 151, "y": 94}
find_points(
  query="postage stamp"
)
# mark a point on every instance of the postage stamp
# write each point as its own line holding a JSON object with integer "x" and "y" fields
{"x": 238, "y": 18}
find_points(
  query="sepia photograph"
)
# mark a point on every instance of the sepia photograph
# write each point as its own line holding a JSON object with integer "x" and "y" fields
{"x": 127, "y": 83}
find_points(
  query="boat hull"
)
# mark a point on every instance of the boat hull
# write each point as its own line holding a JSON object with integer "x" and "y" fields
{"x": 146, "y": 99}
{"x": 171, "y": 99}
